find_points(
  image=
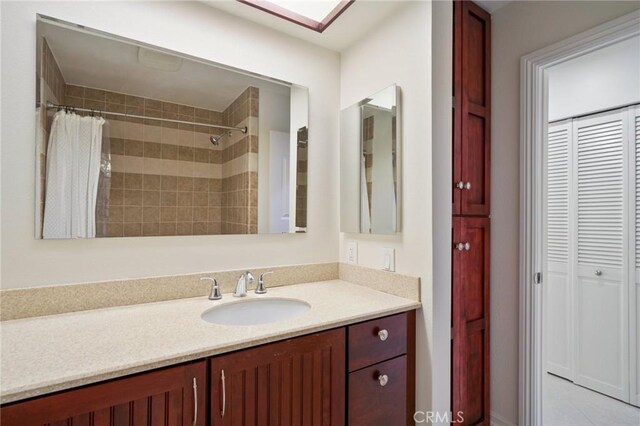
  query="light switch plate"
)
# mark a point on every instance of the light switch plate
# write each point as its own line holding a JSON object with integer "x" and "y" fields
{"x": 388, "y": 259}
{"x": 352, "y": 252}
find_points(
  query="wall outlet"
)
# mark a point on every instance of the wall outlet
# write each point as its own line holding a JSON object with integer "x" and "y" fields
{"x": 388, "y": 259}
{"x": 352, "y": 252}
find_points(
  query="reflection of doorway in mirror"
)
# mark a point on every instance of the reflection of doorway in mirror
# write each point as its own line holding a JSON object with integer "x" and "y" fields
{"x": 379, "y": 152}
{"x": 279, "y": 155}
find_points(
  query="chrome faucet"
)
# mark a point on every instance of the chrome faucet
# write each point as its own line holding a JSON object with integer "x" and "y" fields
{"x": 241, "y": 287}
{"x": 215, "y": 288}
{"x": 260, "y": 288}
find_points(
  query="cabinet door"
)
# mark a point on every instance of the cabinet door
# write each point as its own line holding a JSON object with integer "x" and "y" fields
{"x": 471, "y": 126}
{"x": 456, "y": 121}
{"x": 470, "y": 364}
{"x": 299, "y": 381}
{"x": 169, "y": 397}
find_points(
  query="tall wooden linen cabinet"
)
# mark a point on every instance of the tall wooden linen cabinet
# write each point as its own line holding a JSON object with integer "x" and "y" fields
{"x": 471, "y": 213}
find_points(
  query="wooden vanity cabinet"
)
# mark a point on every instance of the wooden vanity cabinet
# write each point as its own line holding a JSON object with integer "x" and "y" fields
{"x": 299, "y": 381}
{"x": 167, "y": 397}
{"x": 323, "y": 379}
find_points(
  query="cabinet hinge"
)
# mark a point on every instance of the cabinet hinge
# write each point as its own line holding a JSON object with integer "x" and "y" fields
{"x": 538, "y": 278}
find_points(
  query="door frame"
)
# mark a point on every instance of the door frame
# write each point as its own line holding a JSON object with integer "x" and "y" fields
{"x": 533, "y": 130}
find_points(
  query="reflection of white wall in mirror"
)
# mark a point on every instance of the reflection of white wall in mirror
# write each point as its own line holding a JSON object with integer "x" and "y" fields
{"x": 385, "y": 98}
{"x": 279, "y": 158}
{"x": 274, "y": 116}
{"x": 299, "y": 118}
{"x": 383, "y": 197}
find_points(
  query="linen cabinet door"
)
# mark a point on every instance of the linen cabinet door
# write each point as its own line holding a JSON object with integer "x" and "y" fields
{"x": 470, "y": 312}
{"x": 474, "y": 142}
{"x": 298, "y": 381}
{"x": 170, "y": 397}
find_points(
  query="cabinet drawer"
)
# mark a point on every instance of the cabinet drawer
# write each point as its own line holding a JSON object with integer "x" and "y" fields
{"x": 377, "y": 340}
{"x": 372, "y": 404}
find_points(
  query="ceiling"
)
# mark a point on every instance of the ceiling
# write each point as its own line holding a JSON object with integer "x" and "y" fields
{"x": 91, "y": 60}
{"x": 491, "y": 5}
{"x": 359, "y": 19}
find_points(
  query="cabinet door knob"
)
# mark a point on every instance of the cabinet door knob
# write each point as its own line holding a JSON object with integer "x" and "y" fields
{"x": 383, "y": 334}
{"x": 463, "y": 246}
{"x": 383, "y": 379}
{"x": 598, "y": 272}
{"x": 467, "y": 186}
{"x": 460, "y": 185}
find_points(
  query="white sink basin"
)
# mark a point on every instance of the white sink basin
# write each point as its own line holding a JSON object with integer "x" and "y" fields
{"x": 255, "y": 311}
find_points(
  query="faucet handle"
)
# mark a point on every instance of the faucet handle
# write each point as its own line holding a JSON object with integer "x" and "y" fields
{"x": 215, "y": 288}
{"x": 260, "y": 288}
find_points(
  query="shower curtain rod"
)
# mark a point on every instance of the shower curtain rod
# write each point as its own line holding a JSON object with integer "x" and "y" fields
{"x": 51, "y": 105}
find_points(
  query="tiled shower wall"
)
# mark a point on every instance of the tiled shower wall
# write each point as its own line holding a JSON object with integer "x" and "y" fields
{"x": 240, "y": 166}
{"x": 367, "y": 146}
{"x": 167, "y": 178}
{"x": 301, "y": 178}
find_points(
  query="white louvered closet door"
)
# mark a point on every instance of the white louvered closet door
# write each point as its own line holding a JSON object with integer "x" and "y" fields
{"x": 601, "y": 341}
{"x": 634, "y": 270}
{"x": 558, "y": 288}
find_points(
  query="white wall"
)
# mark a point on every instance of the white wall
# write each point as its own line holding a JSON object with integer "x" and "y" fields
{"x": 399, "y": 51}
{"x": 198, "y": 30}
{"x": 600, "y": 80}
{"x": 517, "y": 29}
{"x": 442, "y": 172}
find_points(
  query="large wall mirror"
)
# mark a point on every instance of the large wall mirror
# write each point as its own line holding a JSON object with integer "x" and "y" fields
{"x": 369, "y": 164}
{"x": 133, "y": 140}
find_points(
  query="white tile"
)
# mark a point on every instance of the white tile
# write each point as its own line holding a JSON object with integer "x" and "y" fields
{"x": 565, "y": 402}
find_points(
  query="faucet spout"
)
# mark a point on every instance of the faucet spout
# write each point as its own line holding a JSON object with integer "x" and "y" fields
{"x": 244, "y": 281}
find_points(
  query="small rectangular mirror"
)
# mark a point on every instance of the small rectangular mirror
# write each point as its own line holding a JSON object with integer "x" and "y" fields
{"x": 135, "y": 140}
{"x": 370, "y": 165}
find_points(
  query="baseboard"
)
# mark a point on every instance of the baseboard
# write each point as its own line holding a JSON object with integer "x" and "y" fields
{"x": 497, "y": 420}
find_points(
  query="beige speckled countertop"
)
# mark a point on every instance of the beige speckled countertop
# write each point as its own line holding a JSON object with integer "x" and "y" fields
{"x": 47, "y": 354}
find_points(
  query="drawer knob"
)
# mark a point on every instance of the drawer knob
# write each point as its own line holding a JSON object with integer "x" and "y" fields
{"x": 383, "y": 379}
{"x": 383, "y": 334}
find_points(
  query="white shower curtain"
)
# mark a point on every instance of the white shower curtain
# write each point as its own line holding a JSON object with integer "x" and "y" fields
{"x": 365, "y": 218}
{"x": 73, "y": 170}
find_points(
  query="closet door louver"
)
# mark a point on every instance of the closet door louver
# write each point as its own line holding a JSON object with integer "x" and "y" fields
{"x": 634, "y": 271}
{"x": 558, "y": 317}
{"x": 600, "y": 294}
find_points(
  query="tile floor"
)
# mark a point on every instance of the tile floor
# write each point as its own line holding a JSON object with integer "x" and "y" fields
{"x": 566, "y": 404}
